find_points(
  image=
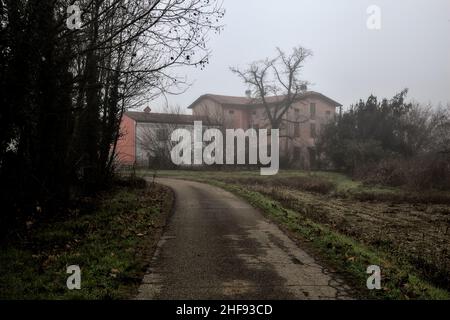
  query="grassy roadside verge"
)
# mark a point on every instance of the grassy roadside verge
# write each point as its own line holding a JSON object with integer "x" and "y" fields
{"x": 400, "y": 279}
{"x": 112, "y": 244}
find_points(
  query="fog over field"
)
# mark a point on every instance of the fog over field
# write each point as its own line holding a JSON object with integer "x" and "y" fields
{"x": 411, "y": 49}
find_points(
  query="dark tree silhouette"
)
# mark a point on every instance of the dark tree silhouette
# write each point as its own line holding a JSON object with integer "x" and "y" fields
{"x": 63, "y": 91}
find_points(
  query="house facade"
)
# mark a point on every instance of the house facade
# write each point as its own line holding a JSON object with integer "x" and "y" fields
{"x": 299, "y": 129}
{"x": 145, "y": 136}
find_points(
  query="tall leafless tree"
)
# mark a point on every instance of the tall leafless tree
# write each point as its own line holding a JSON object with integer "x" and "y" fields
{"x": 63, "y": 91}
{"x": 276, "y": 83}
{"x": 155, "y": 139}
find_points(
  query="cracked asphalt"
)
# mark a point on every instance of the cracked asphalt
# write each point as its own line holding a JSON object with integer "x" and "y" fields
{"x": 217, "y": 246}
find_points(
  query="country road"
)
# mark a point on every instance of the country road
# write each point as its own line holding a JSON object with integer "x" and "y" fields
{"x": 217, "y": 246}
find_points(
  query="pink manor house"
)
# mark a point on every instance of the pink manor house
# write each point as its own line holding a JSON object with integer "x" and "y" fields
{"x": 300, "y": 127}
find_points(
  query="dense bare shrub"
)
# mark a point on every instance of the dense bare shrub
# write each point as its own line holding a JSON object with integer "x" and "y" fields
{"x": 391, "y": 172}
{"x": 429, "y": 171}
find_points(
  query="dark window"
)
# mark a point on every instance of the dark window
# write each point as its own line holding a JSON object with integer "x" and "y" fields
{"x": 254, "y": 113}
{"x": 161, "y": 134}
{"x": 312, "y": 158}
{"x": 297, "y": 111}
{"x": 313, "y": 130}
{"x": 312, "y": 109}
{"x": 297, "y": 153}
{"x": 231, "y": 111}
{"x": 328, "y": 112}
{"x": 297, "y": 129}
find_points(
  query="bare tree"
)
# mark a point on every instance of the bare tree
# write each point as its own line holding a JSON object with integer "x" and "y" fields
{"x": 441, "y": 132}
{"x": 154, "y": 138}
{"x": 276, "y": 84}
{"x": 126, "y": 51}
{"x": 64, "y": 90}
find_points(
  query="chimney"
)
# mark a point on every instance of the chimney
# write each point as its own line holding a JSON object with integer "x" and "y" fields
{"x": 147, "y": 110}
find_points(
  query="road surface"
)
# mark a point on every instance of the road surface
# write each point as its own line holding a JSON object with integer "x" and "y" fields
{"x": 217, "y": 246}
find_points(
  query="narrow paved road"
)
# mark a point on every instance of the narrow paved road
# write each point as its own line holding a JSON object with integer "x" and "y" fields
{"x": 217, "y": 246}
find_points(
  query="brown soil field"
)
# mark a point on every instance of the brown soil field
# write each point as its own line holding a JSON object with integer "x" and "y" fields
{"x": 417, "y": 232}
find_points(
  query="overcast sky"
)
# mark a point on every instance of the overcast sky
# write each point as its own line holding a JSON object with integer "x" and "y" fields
{"x": 412, "y": 48}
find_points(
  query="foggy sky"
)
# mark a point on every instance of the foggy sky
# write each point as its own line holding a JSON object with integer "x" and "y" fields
{"x": 412, "y": 49}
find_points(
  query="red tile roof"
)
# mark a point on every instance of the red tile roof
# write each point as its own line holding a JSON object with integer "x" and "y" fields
{"x": 152, "y": 117}
{"x": 249, "y": 102}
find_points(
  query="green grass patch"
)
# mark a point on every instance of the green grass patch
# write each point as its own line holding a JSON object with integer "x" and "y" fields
{"x": 112, "y": 244}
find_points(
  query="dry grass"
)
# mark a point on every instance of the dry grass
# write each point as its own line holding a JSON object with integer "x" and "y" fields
{"x": 315, "y": 185}
{"x": 416, "y": 231}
